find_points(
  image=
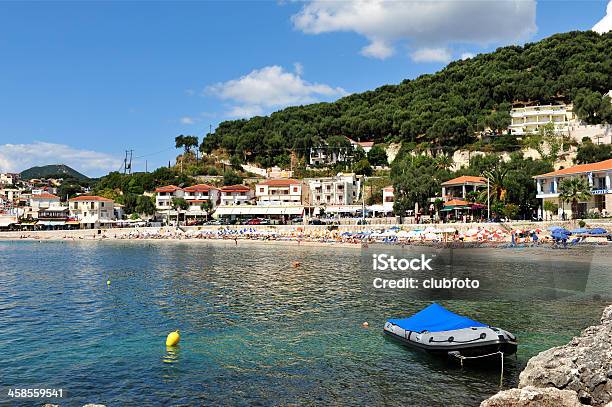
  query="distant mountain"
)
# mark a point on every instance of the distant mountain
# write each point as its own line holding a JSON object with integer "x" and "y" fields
{"x": 46, "y": 171}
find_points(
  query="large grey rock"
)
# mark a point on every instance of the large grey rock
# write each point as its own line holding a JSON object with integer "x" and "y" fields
{"x": 533, "y": 396}
{"x": 584, "y": 365}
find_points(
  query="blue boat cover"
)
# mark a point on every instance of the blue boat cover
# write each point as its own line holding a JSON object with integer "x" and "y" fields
{"x": 435, "y": 318}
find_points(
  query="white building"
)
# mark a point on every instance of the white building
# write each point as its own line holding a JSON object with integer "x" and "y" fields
{"x": 164, "y": 196}
{"x": 388, "y": 199}
{"x": 343, "y": 189}
{"x": 279, "y": 192}
{"x": 598, "y": 175}
{"x": 42, "y": 201}
{"x": 529, "y": 119}
{"x": 92, "y": 211}
{"x": 236, "y": 195}
{"x": 197, "y": 195}
{"x": 9, "y": 178}
{"x": 366, "y": 145}
{"x": 324, "y": 155}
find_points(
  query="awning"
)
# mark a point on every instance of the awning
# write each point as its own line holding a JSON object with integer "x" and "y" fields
{"x": 8, "y": 221}
{"x": 343, "y": 208}
{"x": 256, "y": 210}
{"x": 51, "y": 222}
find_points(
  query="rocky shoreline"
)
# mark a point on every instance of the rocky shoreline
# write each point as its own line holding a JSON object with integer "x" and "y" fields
{"x": 572, "y": 375}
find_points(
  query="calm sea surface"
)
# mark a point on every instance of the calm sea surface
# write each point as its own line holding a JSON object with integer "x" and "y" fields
{"x": 256, "y": 331}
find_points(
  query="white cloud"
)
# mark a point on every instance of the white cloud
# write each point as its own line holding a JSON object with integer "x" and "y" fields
{"x": 378, "y": 49}
{"x": 269, "y": 88}
{"x": 431, "y": 55}
{"x": 18, "y": 157}
{"x": 420, "y": 24}
{"x": 299, "y": 68}
{"x": 467, "y": 55}
{"x": 605, "y": 24}
{"x": 187, "y": 120}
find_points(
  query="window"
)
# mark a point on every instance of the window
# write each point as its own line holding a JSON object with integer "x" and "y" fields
{"x": 91, "y": 205}
{"x": 261, "y": 190}
{"x": 295, "y": 189}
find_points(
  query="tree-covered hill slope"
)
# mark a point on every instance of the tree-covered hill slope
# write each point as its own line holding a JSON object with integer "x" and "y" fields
{"x": 445, "y": 108}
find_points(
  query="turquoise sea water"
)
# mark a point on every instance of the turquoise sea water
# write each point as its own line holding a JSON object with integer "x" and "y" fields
{"x": 256, "y": 331}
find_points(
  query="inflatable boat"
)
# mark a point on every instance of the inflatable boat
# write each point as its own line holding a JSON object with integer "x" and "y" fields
{"x": 438, "y": 330}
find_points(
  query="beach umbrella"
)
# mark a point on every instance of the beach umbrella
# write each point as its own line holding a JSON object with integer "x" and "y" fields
{"x": 580, "y": 230}
{"x": 597, "y": 231}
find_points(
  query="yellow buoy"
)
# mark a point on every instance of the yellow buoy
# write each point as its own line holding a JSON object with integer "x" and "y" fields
{"x": 173, "y": 338}
{"x": 365, "y": 324}
{"x": 107, "y": 282}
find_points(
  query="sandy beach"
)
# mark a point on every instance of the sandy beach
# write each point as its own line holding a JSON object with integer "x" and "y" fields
{"x": 459, "y": 235}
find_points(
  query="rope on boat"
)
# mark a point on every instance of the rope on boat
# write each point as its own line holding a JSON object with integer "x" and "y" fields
{"x": 462, "y": 358}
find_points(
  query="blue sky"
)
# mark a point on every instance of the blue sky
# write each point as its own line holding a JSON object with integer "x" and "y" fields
{"x": 80, "y": 82}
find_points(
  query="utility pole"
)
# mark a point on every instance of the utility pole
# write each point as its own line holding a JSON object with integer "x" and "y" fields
{"x": 127, "y": 164}
{"x": 146, "y": 166}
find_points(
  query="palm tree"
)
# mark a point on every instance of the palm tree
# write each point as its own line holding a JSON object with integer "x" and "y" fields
{"x": 497, "y": 182}
{"x": 574, "y": 190}
{"x": 444, "y": 161}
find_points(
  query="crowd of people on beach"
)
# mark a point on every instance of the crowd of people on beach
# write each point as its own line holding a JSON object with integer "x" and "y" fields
{"x": 473, "y": 237}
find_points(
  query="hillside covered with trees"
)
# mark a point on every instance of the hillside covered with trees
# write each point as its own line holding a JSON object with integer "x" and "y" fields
{"x": 444, "y": 109}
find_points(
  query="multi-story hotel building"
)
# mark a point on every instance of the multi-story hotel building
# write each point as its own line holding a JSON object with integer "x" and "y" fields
{"x": 92, "y": 211}
{"x": 279, "y": 192}
{"x": 196, "y": 195}
{"x": 236, "y": 195}
{"x": 529, "y": 119}
{"x": 164, "y": 195}
{"x": 343, "y": 189}
{"x": 598, "y": 176}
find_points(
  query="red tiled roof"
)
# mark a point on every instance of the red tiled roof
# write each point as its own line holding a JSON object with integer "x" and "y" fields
{"x": 90, "y": 198}
{"x": 465, "y": 179}
{"x": 365, "y": 143}
{"x": 235, "y": 188}
{"x": 199, "y": 188}
{"x": 389, "y": 188}
{"x": 167, "y": 188}
{"x": 280, "y": 182}
{"x": 45, "y": 195}
{"x": 582, "y": 168}
{"x": 456, "y": 202}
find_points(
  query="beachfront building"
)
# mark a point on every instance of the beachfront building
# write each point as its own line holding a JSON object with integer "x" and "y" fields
{"x": 92, "y": 211}
{"x": 196, "y": 195}
{"x": 386, "y": 208}
{"x": 388, "y": 198}
{"x": 337, "y": 195}
{"x": 529, "y": 119}
{"x": 232, "y": 195}
{"x": 54, "y": 217}
{"x": 343, "y": 189}
{"x": 279, "y": 192}
{"x": 41, "y": 201}
{"x": 164, "y": 196}
{"x": 461, "y": 187}
{"x": 598, "y": 176}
